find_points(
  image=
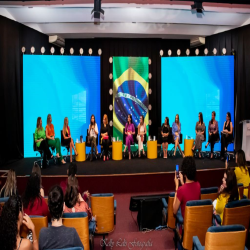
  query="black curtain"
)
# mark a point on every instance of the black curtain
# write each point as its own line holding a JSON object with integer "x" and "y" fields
{"x": 239, "y": 40}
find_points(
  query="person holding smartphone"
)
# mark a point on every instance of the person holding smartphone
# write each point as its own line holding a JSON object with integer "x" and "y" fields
{"x": 190, "y": 189}
{"x": 93, "y": 132}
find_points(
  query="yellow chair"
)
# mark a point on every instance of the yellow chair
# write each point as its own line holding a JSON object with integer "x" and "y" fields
{"x": 210, "y": 193}
{"x": 80, "y": 222}
{"x": 198, "y": 218}
{"x": 224, "y": 237}
{"x": 171, "y": 217}
{"x": 103, "y": 207}
{"x": 241, "y": 190}
{"x": 39, "y": 223}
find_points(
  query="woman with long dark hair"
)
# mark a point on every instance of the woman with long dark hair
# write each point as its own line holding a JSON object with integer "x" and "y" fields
{"x": 213, "y": 131}
{"x": 93, "y": 132}
{"x": 228, "y": 192}
{"x": 11, "y": 219}
{"x": 142, "y": 130}
{"x": 9, "y": 187}
{"x": 37, "y": 169}
{"x": 176, "y": 131}
{"x": 33, "y": 202}
{"x": 165, "y": 130}
{"x": 226, "y": 135}
{"x": 105, "y": 134}
{"x": 199, "y": 130}
{"x": 52, "y": 141}
{"x": 41, "y": 142}
{"x": 129, "y": 132}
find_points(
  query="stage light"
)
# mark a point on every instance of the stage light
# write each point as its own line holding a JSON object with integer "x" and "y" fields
{"x": 178, "y": 52}
{"x": 62, "y": 51}
{"x": 52, "y": 50}
{"x": 197, "y": 52}
{"x": 71, "y": 51}
{"x": 150, "y": 91}
{"x": 23, "y": 49}
{"x": 197, "y": 6}
{"x": 149, "y": 61}
{"x": 81, "y": 51}
{"x": 188, "y": 52}
{"x": 42, "y": 50}
{"x": 110, "y": 76}
{"x": 206, "y": 51}
{"x": 149, "y": 122}
{"x": 224, "y": 51}
{"x": 149, "y": 75}
{"x": 111, "y": 91}
{"x": 110, "y": 107}
{"x": 169, "y": 52}
{"x": 110, "y": 59}
{"x": 110, "y": 123}
{"x": 149, "y": 107}
{"x": 161, "y": 52}
{"x": 99, "y": 52}
{"x": 214, "y": 51}
{"x": 90, "y": 51}
{"x": 32, "y": 50}
{"x": 97, "y": 11}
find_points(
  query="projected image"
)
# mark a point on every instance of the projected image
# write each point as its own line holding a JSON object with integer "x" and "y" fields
{"x": 63, "y": 86}
{"x": 130, "y": 92}
{"x": 190, "y": 85}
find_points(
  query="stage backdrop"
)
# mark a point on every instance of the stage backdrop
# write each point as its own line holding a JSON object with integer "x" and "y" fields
{"x": 197, "y": 84}
{"x": 130, "y": 92}
{"x": 63, "y": 86}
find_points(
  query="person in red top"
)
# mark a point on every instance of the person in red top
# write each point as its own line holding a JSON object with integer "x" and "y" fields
{"x": 190, "y": 189}
{"x": 33, "y": 202}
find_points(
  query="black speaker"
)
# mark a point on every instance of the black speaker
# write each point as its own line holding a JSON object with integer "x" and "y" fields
{"x": 149, "y": 213}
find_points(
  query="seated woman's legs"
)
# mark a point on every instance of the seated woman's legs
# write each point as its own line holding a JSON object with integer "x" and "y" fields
{"x": 178, "y": 145}
{"x": 128, "y": 142}
{"x": 46, "y": 152}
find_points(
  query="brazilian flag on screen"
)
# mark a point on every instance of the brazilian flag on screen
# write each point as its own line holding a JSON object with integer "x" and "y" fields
{"x": 130, "y": 92}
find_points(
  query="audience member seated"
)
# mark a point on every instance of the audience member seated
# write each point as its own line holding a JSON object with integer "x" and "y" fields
{"x": 36, "y": 169}
{"x": 73, "y": 200}
{"x": 190, "y": 189}
{"x": 9, "y": 187}
{"x": 71, "y": 171}
{"x": 241, "y": 171}
{"x": 228, "y": 192}
{"x": 10, "y": 222}
{"x": 57, "y": 236}
{"x": 33, "y": 202}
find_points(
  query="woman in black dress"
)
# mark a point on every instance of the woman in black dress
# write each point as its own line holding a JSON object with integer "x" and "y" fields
{"x": 105, "y": 134}
{"x": 165, "y": 129}
{"x": 226, "y": 135}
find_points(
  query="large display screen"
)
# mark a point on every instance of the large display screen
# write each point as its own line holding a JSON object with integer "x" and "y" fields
{"x": 190, "y": 85}
{"x": 63, "y": 86}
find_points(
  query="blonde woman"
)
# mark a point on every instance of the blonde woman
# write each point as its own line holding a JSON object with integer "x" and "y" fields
{"x": 105, "y": 134}
{"x": 140, "y": 136}
{"x": 9, "y": 187}
{"x": 67, "y": 137}
{"x": 52, "y": 141}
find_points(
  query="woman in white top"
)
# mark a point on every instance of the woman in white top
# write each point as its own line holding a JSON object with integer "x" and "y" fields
{"x": 140, "y": 136}
{"x": 93, "y": 132}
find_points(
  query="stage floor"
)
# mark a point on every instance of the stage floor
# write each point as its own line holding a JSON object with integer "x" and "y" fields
{"x": 124, "y": 167}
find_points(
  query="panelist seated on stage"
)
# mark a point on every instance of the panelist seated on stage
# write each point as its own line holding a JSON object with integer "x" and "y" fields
{"x": 165, "y": 133}
{"x": 213, "y": 131}
{"x": 41, "y": 142}
{"x": 52, "y": 141}
{"x": 67, "y": 137}
{"x": 199, "y": 130}
{"x": 129, "y": 132}
{"x": 226, "y": 135}
{"x": 176, "y": 131}
{"x": 105, "y": 135}
{"x": 142, "y": 130}
{"x": 93, "y": 132}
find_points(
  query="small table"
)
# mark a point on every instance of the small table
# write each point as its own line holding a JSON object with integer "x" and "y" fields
{"x": 117, "y": 150}
{"x": 188, "y": 144}
{"x": 152, "y": 149}
{"x": 81, "y": 151}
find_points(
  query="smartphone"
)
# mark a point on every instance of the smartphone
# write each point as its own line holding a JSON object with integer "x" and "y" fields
{"x": 177, "y": 171}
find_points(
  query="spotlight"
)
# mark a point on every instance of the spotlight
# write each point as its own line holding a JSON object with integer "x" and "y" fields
{"x": 97, "y": 11}
{"x": 52, "y": 50}
{"x": 90, "y": 51}
{"x": 62, "y": 51}
{"x": 81, "y": 51}
{"x": 161, "y": 52}
{"x": 206, "y": 51}
{"x": 169, "y": 52}
{"x": 23, "y": 49}
{"x": 197, "y": 6}
{"x": 149, "y": 61}
{"x": 110, "y": 76}
{"x": 42, "y": 50}
{"x": 110, "y": 60}
{"x": 32, "y": 50}
{"x": 188, "y": 52}
{"x": 150, "y": 91}
{"x": 149, "y": 75}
